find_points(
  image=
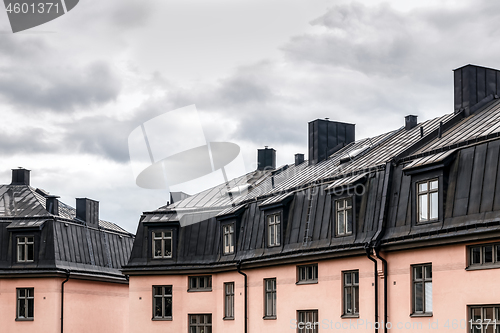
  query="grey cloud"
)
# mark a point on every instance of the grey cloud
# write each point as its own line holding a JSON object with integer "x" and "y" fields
{"x": 61, "y": 88}
{"x": 29, "y": 140}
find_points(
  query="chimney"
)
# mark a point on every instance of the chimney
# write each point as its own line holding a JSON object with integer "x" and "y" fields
{"x": 87, "y": 210}
{"x": 326, "y": 137}
{"x": 410, "y": 122}
{"x": 20, "y": 176}
{"x": 52, "y": 204}
{"x": 474, "y": 87}
{"x": 299, "y": 159}
{"x": 266, "y": 159}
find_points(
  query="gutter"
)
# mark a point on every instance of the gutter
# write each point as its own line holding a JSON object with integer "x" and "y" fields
{"x": 384, "y": 265}
{"x": 238, "y": 267}
{"x": 375, "y": 281}
{"x": 62, "y": 300}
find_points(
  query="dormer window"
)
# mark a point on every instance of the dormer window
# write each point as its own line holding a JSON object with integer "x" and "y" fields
{"x": 228, "y": 238}
{"x": 162, "y": 244}
{"x": 428, "y": 199}
{"x": 273, "y": 229}
{"x": 25, "y": 249}
{"x": 343, "y": 213}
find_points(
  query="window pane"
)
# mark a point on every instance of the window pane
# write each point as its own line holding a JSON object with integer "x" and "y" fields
{"x": 422, "y": 207}
{"x": 476, "y": 255}
{"x": 269, "y": 304}
{"x": 348, "y": 300}
{"x": 158, "y": 307}
{"x": 476, "y": 314}
{"x": 30, "y": 239}
{"x": 419, "y": 300}
{"x": 157, "y": 234}
{"x": 201, "y": 283}
{"x": 348, "y": 202}
{"x": 340, "y": 222}
{"x": 428, "y": 272}
{"x": 157, "y": 291}
{"x": 422, "y": 187}
{"x": 22, "y": 308}
{"x": 340, "y": 204}
{"x": 488, "y": 313}
{"x": 168, "y": 248}
{"x": 309, "y": 272}
{"x": 498, "y": 254}
{"x": 428, "y": 297}
{"x": 271, "y": 235}
{"x": 356, "y": 299}
{"x": 434, "y": 185}
{"x": 356, "y": 277}
{"x": 20, "y": 253}
{"x": 349, "y": 221}
{"x": 193, "y": 319}
{"x": 168, "y": 290}
{"x": 417, "y": 273}
{"x": 22, "y": 292}
{"x": 157, "y": 248}
{"x": 348, "y": 279}
{"x": 30, "y": 292}
{"x": 168, "y": 307}
{"x": 168, "y": 234}
{"x": 30, "y": 252}
{"x": 434, "y": 206}
{"x": 278, "y": 234}
{"x": 488, "y": 254}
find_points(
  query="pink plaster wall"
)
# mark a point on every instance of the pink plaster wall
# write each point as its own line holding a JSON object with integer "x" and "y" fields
{"x": 324, "y": 296}
{"x": 453, "y": 288}
{"x": 88, "y": 306}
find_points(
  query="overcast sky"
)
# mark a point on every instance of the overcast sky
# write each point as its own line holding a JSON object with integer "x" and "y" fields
{"x": 72, "y": 90}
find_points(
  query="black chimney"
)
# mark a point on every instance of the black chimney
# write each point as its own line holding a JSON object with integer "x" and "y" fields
{"x": 299, "y": 159}
{"x": 474, "y": 87}
{"x": 266, "y": 159}
{"x": 87, "y": 210}
{"x": 52, "y": 204}
{"x": 20, "y": 177}
{"x": 326, "y": 137}
{"x": 410, "y": 122}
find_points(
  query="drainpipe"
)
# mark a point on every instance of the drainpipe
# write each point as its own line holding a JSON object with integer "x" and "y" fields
{"x": 62, "y": 300}
{"x": 384, "y": 265}
{"x": 368, "y": 254}
{"x": 238, "y": 267}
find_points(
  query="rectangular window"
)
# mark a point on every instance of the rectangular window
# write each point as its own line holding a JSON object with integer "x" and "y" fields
{"x": 351, "y": 293}
{"x": 484, "y": 319}
{"x": 200, "y": 283}
{"x": 229, "y": 300}
{"x": 162, "y": 302}
{"x": 270, "y": 298}
{"x": 162, "y": 244}
{"x": 422, "y": 289}
{"x": 228, "y": 238}
{"x": 307, "y": 321}
{"x": 25, "y": 249}
{"x": 484, "y": 255}
{"x": 343, "y": 213}
{"x": 25, "y": 303}
{"x": 428, "y": 201}
{"x": 307, "y": 274}
{"x": 273, "y": 230}
{"x": 200, "y": 323}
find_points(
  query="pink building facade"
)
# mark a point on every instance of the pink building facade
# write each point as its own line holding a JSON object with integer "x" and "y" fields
{"x": 399, "y": 232}
{"x": 59, "y": 266}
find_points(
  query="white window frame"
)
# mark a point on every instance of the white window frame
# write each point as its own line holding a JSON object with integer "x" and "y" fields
{"x": 427, "y": 193}
{"x": 273, "y": 229}
{"x": 342, "y": 210}
{"x": 163, "y": 237}
{"x": 25, "y": 246}
{"x": 228, "y": 238}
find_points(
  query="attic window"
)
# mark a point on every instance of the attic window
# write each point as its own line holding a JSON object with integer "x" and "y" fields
{"x": 343, "y": 213}
{"x": 228, "y": 238}
{"x": 428, "y": 192}
{"x": 273, "y": 230}
{"x": 162, "y": 244}
{"x": 25, "y": 249}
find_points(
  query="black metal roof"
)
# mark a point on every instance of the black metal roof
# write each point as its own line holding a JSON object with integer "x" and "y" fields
{"x": 62, "y": 242}
{"x": 463, "y": 152}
